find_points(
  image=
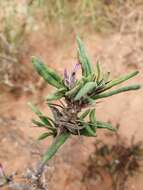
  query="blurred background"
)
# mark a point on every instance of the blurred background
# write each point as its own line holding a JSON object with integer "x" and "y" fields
{"x": 113, "y": 32}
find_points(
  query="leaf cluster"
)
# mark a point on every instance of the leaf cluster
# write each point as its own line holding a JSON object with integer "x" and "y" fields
{"x": 75, "y": 95}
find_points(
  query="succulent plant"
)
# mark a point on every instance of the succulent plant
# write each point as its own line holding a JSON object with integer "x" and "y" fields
{"x": 74, "y": 96}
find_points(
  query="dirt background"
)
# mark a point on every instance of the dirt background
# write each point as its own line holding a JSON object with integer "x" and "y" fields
{"x": 120, "y": 53}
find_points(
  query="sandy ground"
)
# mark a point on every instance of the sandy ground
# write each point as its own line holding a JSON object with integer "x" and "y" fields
{"x": 18, "y": 147}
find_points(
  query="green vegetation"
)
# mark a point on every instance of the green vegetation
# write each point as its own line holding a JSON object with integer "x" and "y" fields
{"x": 74, "y": 95}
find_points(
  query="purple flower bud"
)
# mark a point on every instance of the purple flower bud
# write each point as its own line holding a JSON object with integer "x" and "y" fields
{"x": 66, "y": 78}
{"x": 76, "y": 67}
{"x": 73, "y": 75}
{"x": 69, "y": 80}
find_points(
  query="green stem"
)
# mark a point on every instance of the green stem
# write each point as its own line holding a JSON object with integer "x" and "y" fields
{"x": 57, "y": 143}
{"x": 123, "y": 89}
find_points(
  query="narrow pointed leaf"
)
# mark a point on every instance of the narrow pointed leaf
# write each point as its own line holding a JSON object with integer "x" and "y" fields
{"x": 98, "y": 72}
{"x": 84, "y": 114}
{"x": 45, "y": 135}
{"x": 47, "y": 120}
{"x": 120, "y": 90}
{"x": 38, "y": 123}
{"x": 88, "y": 87}
{"x": 41, "y": 124}
{"x": 48, "y": 74}
{"x": 84, "y": 59}
{"x": 104, "y": 125}
{"x": 57, "y": 95}
{"x": 88, "y": 131}
{"x": 35, "y": 109}
{"x": 92, "y": 116}
{"x": 120, "y": 80}
{"x": 43, "y": 118}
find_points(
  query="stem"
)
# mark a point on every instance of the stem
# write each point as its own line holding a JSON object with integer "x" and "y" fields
{"x": 57, "y": 143}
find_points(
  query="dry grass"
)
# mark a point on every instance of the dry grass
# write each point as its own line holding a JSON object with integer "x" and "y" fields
{"x": 98, "y": 15}
{"x": 19, "y": 20}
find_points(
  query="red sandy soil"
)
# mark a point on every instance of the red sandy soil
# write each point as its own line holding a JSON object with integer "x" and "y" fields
{"x": 18, "y": 145}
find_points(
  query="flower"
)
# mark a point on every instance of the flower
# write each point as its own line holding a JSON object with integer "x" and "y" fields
{"x": 70, "y": 79}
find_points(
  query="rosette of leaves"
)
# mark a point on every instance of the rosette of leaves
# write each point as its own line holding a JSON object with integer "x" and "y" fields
{"x": 75, "y": 115}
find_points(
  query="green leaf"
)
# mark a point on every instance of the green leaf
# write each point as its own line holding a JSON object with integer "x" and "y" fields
{"x": 90, "y": 100}
{"x": 57, "y": 143}
{"x": 88, "y": 131}
{"x": 104, "y": 125}
{"x": 43, "y": 118}
{"x": 41, "y": 124}
{"x": 46, "y": 120}
{"x": 117, "y": 91}
{"x": 88, "y": 87}
{"x": 38, "y": 123}
{"x": 120, "y": 80}
{"x": 84, "y": 114}
{"x": 106, "y": 77}
{"x": 56, "y": 95}
{"x": 48, "y": 74}
{"x": 92, "y": 116}
{"x": 71, "y": 93}
{"x": 35, "y": 109}
{"x": 84, "y": 59}
{"x": 98, "y": 72}
{"x": 101, "y": 84}
{"x": 90, "y": 78}
{"x": 45, "y": 135}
